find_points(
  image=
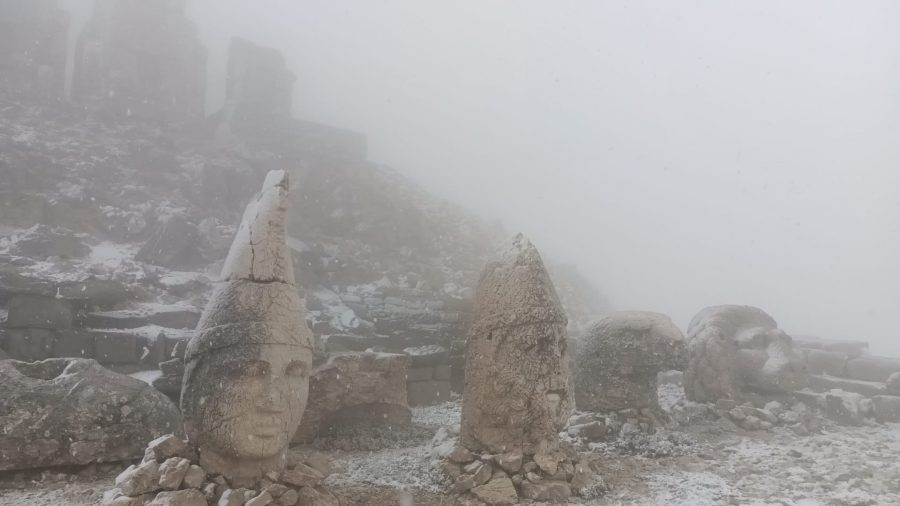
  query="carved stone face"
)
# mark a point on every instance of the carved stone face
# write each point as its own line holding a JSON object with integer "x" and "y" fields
{"x": 768, "y": 362}
{"x": 249, "y": 404}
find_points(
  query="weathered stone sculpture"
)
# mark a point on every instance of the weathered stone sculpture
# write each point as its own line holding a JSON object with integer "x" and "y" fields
{"x": 735, "y": 352}
{"x": 619, "y": 358}
{"x": 247, "y": 368}
{"x": 72, "y": 411}
{"x": 518, "y": 391}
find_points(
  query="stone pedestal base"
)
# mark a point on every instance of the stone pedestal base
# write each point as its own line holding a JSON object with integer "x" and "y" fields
{"x": 170, "y": 474}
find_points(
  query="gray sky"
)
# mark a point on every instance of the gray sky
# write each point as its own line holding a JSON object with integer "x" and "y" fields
{"x": 681, "y": 153}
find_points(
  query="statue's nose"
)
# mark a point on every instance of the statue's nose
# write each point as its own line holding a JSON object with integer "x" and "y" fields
{"x": 272, "y": 399}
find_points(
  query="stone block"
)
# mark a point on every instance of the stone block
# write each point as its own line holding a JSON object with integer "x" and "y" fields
{"x": 73, "y": 343}
{"x": 820, "y": 383}
{"x": 872, "y": 368}
{"x": 427, "y": 356}
{"x": 442, "y": 372}
{"x": 420, "y": 374}
{"x": 831, "y": 363}
{"x": 29, "y": 345}
{"x": 176, "y": 319}
{"x": 887, "y": 408}
{"x": 115, "y": 348}
{"x": 38, "y": 311}
{"x": 421, "y": 393}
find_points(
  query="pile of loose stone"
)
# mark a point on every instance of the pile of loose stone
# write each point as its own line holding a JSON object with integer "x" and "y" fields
{"x": 798, "y": 417}
{"x": 169, "y": 475}
{"x": 502, "y": 479}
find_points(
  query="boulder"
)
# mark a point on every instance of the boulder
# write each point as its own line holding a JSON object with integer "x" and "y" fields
{"x": 619, "y": 358}
{"x": 352, "y": 387}
{"x": 90, "y": 413}
{"x": 735, "y": 352}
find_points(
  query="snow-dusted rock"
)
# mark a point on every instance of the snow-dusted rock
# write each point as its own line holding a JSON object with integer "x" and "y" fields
{"x": 734, "y": 351}
{"x": 73, "y": 411}
{"x": 353, "y": 387}
{"x": 518, "y": 391}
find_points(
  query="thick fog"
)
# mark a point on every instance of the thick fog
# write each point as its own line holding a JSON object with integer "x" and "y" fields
{"x": 682, "y": 154}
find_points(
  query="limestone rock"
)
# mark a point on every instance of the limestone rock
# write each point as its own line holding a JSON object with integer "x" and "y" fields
{"x": 619, "y": 357}
{"x": 91, "y": 414}
{"x": 735, "y": 351}
{"x": 550, "y": 491}
{"x": 352, "y": 388}
{"x": 302, "y": 476}
{"x": 166, "y": 447}
{"x": 518, "y": 391}
{"x": 500, "y": 491}
{"x": 194, "y": 477}
{"x": 188, "y": 497}
{"x": 172, "y": 472}
{"x": 138, "y": 480}
{"x": 263, "y": 499}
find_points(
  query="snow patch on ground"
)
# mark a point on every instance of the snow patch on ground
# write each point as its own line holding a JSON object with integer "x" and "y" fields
{"x": 694, "y": 488}
{"x": 147, "y": 376}
{"x": 411, "y": 468}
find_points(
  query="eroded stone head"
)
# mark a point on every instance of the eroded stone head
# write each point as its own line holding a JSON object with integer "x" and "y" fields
{"x": 518, "y": 390}
{"x": 736, "y": 351}
{"x": 247, "y": 368}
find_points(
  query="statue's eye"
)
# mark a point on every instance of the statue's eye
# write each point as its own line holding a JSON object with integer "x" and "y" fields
{"x": 295, "y": 369}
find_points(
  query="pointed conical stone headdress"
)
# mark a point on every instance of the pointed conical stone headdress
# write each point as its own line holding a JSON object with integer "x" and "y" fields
{"x": 257, "y": 302}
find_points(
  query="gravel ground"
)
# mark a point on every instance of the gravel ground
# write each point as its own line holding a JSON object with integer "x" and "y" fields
{"x": 711, "y": 463}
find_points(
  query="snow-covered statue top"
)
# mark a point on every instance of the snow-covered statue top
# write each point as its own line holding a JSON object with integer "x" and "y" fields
{"x": 247, "y": 368}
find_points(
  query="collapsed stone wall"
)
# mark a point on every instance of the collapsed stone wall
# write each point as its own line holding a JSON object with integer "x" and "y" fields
{"x": 849, "y": 383}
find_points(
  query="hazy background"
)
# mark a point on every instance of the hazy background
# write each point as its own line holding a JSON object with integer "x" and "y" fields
{"x": 682, "y": 154}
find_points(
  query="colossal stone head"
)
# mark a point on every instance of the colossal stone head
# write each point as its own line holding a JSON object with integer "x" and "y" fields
{"x": 619, "y": 357}
{"x": 518, "y": 391}
{"x": 247, "y": 367}
{"x": 735, "y": 352}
